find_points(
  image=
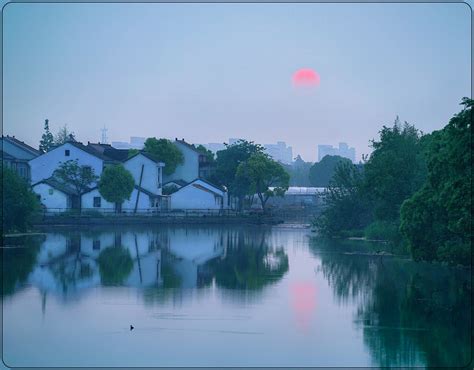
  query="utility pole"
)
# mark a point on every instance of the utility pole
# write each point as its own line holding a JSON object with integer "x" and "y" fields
{"x": 104, "y": 135}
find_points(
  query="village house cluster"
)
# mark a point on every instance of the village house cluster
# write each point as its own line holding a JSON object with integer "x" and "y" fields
{"x": 192, "y": 191}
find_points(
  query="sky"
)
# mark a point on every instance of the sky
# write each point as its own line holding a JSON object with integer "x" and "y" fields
{"x": 209, "y": 72}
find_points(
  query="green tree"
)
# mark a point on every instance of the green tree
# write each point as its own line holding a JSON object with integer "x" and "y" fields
{"x": 347, "y": 206}
{"x": 395, "y": 170}
{"x": 78, "y": 177}
{"x": 164, "y": 151}
{"x": 263, "y": 173}
{"x": 208, "y": 153}
{"x": 299, "y": 172}
{"x": 47, "y": 139}
{"x": 322, "y": 172}
{"x": 116, "y": 184}
{"x": 227, "y": 162}
{"x": 64, "y": 135}
{"x": 436, "y": 220}
{"x": 19, "y": 203}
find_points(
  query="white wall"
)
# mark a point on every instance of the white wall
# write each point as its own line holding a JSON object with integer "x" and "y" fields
{"x": 143, "y": 202}
{"x": 42, "y": 167}
{"x": 190, "y": 197}
{"x": 151, "y": 180}
{"x": 54, "y": 202}
{"x": 87, "y": 200}
{"x": 189, "y": 170}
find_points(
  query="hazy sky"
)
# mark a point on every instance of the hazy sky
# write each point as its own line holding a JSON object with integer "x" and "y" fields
{"x": 207, "y": 72}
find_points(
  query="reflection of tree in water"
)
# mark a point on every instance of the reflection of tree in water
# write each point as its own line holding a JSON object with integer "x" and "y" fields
{"x": 249, "y": 263}
{"x": 19, "y": 259}
{"x": 410, "y": 313}
{"x": 115, "y": 264}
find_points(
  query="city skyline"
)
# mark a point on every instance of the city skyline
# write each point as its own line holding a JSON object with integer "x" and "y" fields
{"x": 157, "y": 76}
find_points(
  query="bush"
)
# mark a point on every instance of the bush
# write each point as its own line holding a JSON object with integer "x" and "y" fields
{"x": 383, "y": 230}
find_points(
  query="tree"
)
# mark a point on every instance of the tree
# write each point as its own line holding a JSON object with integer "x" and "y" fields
{"x": 47, "y": 139}
{"x": 63, "y": 136}
{"x": 78, "y": 177}
{"x": 299, "y": 172}
{"x": 322, "y": 172}
{"x": 263, "y": 173}
{"x": 436, "y": 220}
{"x": 347, "y": 205}
{"x": 116, "y": 184}
{"x": 208, "y": 153}
{"x": 227, "y": 162}
{"x": 164, "y": 151}
{"x": 18, "y": 202}
{"x": 395, "y": 170}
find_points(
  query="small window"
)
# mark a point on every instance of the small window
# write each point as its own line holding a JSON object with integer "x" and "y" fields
{"x": 97, "y": 201}
{"x": 50, "y": 191}
{"x": 87, "y": 170}
{"x": 67, "y": 153}
{"x": 96, "y": 245}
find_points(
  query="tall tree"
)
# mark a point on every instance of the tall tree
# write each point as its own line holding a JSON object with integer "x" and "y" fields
{"x": 116, "y": 184}
{"x": 436, "y": 220}
{"x": 227, "y": 162}
{"x": 321, "y": 173}
{"x": 263, "y": 173}
{"x": 64, "y": 135}
{"x": 395, "y": 169}
{"x": 163, "y": 150}
{"x": 47, "y": 139}
{"x": 18, "y": 202}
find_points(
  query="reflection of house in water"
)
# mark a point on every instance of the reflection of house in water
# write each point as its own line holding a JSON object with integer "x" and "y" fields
{"x": 193, "y": 247}
{"x": 68, "y": 264}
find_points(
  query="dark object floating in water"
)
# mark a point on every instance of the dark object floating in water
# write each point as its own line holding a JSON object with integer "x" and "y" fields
{"x": 131, "y": 327}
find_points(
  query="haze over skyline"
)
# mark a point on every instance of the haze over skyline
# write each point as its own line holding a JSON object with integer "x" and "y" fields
{"x": 207, "y": 72}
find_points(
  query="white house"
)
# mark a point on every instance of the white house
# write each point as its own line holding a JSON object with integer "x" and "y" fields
{"x": 199, "y": 194}
{"x": 146, "y": 171}
{"x": 141, "y": 200}
{"x": 195, "y": 164}
{"x": 43, "y": 166}
{"x": 92, "y": 200}
{"x": 55, "y": 196}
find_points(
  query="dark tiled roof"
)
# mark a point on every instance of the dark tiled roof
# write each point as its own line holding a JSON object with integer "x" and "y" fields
{"x": 21, "y": 144}
{"x": 210, "y": 184}
{"x": 58, "y": 185}
{"x": 144, "y": 191}
{"x": 145, "y": 154}
{"x": 178, "y": 182}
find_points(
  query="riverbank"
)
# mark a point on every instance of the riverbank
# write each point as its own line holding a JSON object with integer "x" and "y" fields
{"x": 151, "y": 220}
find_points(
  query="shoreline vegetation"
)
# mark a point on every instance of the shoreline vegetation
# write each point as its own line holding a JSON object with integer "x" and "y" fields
{"x": 414, "y": 191}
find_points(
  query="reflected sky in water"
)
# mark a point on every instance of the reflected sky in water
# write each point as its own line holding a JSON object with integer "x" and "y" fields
{"x": 226, "y": 296}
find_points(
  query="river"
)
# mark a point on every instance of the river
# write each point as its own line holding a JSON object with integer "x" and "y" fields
{"x": 226, "y": 296}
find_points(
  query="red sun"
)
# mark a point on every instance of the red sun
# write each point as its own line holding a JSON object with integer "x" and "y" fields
{"x": 305, "y": 77}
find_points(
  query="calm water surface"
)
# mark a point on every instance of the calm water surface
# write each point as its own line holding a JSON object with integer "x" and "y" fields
{"x": 226, "y": 296}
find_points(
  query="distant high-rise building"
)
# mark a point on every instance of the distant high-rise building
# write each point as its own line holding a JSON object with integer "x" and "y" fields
{"x": 343, "y": 151}
{"x": 280, "y": 152}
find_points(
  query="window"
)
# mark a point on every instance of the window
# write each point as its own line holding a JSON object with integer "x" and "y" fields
{"x": 96, "y": 245}
{"x": 87, "y": 170}
{"x": 67, "y": 153}
{"x": 97, "y": 201}
{"x": 50, "y": 191}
